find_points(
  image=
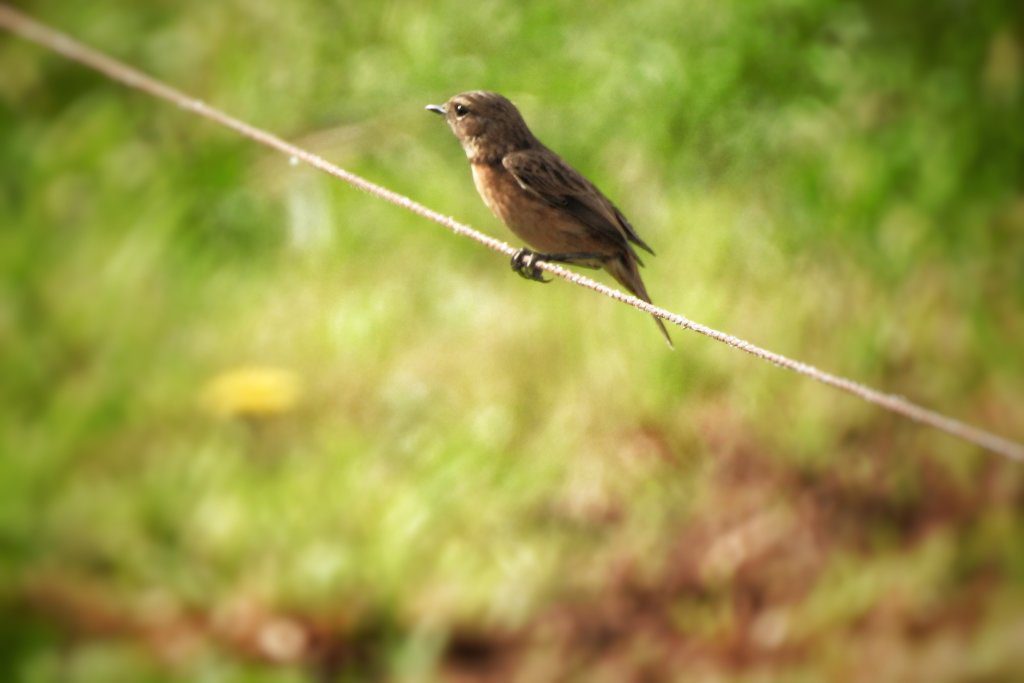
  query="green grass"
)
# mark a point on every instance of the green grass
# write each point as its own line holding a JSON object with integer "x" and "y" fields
{"x": 471, "y": 457}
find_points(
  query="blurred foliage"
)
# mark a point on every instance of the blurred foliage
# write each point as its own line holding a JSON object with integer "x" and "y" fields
{"x": 454, "y": 461}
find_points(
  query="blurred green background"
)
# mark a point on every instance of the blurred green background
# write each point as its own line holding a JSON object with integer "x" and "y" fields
{"x": 259, "y": 426}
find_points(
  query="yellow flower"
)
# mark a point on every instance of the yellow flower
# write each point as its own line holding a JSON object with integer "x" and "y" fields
{"x": 255, "y": 392}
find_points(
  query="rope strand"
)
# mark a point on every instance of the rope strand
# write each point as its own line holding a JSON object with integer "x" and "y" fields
{"x": 29, "y": 29}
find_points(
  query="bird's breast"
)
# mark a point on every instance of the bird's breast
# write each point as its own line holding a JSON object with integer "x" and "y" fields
{"x": 537, "y": 223}
{"x": 498, "y": 189}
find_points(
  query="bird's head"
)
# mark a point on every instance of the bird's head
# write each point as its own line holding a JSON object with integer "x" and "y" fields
{"x": 486, "y": 123}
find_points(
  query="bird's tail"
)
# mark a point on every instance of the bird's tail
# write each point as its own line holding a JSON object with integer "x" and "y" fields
{"x": 624, "y": 269}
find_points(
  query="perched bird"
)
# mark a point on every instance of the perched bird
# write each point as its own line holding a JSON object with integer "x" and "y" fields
{"x": 540, "y": 197}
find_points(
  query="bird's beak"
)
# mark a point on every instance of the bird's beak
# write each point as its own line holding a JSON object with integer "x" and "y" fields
{"x": 436, "y": 108}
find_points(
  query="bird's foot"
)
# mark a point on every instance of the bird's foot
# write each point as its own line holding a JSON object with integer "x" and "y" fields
{"x": 524, "y": 262}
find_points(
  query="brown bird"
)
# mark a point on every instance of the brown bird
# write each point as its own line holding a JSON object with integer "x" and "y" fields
{"x": 540, "y": 197}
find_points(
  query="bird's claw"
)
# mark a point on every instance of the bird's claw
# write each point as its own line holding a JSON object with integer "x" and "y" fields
{"x": 524, "y": 262}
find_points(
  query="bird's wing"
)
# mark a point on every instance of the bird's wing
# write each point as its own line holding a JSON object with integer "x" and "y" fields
{"x": 544, "y": 174}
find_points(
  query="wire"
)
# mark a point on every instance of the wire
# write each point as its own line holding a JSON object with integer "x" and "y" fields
{"x": 45, "y": 36}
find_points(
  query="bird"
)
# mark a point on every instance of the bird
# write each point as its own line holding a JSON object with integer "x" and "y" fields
{"x": 551, "y": 206}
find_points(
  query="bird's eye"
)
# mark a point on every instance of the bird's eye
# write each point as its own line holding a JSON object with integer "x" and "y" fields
{"x": 461, "y": 110}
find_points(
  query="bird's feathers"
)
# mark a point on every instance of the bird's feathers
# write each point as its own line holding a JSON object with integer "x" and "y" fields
{"x": 544, "y": 174}
{"x": 625, "y": 271}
